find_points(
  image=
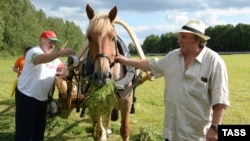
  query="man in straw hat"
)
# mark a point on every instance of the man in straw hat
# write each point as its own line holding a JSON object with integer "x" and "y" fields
{"x": 38, "y": 75}
{"x": 196, "y": 86}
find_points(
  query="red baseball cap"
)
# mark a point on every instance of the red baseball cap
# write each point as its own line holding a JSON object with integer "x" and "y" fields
{"x": 47, "y": 34}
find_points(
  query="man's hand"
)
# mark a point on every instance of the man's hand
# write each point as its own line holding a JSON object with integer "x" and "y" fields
{"x": 121, "y": 59}
{"x": 211, "y": 135}
{"x": 67, "y": 52}
{"x": 64, "y": 73}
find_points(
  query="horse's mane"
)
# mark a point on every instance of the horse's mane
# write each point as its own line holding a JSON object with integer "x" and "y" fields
{"x": 100, "y": 24}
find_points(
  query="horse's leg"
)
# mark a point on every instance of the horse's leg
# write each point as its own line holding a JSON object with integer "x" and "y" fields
{"x": 96, "y": 133}
{"x": 69, "y": 90}
{"x": 84, "y": 106}
{"x": 53, "y": 109}
{"x": 99, "y": 132}
{"x": 106, "y": 122}
{"x": 125, "y": 107}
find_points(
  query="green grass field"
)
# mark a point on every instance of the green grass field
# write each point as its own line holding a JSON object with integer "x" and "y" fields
{"x": 146, "y": 123}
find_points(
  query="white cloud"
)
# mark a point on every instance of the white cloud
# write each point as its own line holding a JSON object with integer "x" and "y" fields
{"x": 152, "y": 17}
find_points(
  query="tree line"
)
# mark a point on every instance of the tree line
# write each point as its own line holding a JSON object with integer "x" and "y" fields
{"x": 21, "y": 25}
{"x": 224, "y": 38}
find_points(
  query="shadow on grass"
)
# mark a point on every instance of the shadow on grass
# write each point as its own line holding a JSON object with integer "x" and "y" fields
{"x": 64, "y": 130}
{"x": 6, "y": 136}
{"x": 63, "y": 127}
{"x": 7, "y": 113}
{"x": 7, "y": 120}
{"x": 7, "y": 110}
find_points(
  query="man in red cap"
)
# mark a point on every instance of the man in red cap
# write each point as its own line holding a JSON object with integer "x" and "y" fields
{"x": 38, "y": 75}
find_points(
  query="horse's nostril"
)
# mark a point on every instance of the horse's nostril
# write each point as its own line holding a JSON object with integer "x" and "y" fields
{"x": 102, "y": 75}
{"x": 109, "y": 75}
{"x": 95, "y": 76}
{"x": 101, "y": 78}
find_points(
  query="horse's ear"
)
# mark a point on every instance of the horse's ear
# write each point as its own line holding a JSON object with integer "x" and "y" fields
{"x": 112, "y": 14}
{"x": 90, "y": 12}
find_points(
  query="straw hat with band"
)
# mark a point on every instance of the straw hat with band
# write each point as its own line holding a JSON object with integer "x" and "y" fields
{"x": 195, "y": 27}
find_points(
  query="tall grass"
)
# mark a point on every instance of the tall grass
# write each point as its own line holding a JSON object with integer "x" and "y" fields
{"x": 146, "y": 123}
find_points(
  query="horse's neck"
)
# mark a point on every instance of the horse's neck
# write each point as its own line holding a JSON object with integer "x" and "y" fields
{"x": 117, "y": 71}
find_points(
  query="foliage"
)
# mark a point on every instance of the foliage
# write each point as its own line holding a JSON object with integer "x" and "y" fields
{"x": 168, "y": 42}
{"x": 148, "y": 134}
{"x": 132, "y": 49}
{"x": 224, "y": 38}
{"x": 21, "y": 25}
{"x": 151, "y": 44}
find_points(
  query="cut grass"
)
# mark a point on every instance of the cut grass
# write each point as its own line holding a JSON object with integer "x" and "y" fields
{"x": 146, "y": 123}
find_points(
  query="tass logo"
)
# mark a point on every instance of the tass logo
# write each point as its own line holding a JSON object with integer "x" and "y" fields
{"x": 239, "y": 132}
{"x": 234, "y": 132}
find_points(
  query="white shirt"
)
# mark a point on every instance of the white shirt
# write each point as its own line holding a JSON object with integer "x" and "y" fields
{"x": 36, "y": 80}
{"x": 189, "y": 95}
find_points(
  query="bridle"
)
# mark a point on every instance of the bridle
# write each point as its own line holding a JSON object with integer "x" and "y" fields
{"x": 111, "y": 64}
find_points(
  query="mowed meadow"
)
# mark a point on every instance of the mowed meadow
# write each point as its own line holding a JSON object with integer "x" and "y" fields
{"x": 146, "y": 123}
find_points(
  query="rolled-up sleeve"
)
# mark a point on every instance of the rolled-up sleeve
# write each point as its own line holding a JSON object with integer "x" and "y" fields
{"x": 155, "y": 67}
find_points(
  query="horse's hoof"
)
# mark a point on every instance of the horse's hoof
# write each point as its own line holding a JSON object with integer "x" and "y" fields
{"x": 109, "y": 132}
{"x": 115, "y": 114}
{"x": 132, "y": 110}
{"x": 82, "y": 114}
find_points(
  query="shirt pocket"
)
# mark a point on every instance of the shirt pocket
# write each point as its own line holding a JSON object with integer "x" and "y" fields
{"x": 196, "y": 85}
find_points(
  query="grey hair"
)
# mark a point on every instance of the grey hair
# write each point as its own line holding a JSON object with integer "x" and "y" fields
{"x": 202, "y": 42}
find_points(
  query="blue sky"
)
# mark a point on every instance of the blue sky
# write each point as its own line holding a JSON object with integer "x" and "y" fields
{"x": 147, "y": 17}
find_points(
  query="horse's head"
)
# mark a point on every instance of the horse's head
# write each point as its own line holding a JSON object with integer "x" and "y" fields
{"x": 102, "y": 44}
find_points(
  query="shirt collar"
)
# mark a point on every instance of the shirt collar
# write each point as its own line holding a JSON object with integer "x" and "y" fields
{"x": 201, "y": 54}
{"x": 199, "y": 58}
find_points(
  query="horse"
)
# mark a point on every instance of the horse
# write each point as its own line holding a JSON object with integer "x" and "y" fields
{"x": 112, "y": 82}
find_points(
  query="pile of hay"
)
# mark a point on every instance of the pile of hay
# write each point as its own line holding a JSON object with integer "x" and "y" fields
{"x": 101, "y": 99}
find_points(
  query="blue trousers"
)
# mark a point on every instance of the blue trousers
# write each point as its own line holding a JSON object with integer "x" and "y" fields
{"x": 30, "y": 118}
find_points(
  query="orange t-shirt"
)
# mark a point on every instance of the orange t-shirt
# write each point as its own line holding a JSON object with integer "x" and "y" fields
{"x": 19, "y": 64}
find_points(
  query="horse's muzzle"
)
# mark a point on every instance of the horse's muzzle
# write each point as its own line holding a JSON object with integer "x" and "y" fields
{"x": 102, "y": 78}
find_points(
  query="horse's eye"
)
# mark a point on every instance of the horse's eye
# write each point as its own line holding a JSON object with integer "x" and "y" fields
{"x": 89, "y": 38}
{"x": 114, "y": 39}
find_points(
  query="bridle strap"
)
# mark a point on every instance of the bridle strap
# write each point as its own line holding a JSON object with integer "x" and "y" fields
{"x": 102, "y": 55}
{"x": 111, "y": 64}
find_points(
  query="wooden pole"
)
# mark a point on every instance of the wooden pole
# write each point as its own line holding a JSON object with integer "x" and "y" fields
{"x": 136, "y": 43}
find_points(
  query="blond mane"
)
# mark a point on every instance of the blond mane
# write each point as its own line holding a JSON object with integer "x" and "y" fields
{"x": 100, "y": 24}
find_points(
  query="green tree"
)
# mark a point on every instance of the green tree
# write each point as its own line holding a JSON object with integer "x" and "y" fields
{"x": 21, "y": 25}
{"x": 168, "y": 42}
{"x": 2, "y": 27}
{"x": 132, "y": 48}
{"x": 151, "y": 44}
{"x": 241, "y": 37}
{"x": 220, "y": 37}
{"x": 73, "y": 34}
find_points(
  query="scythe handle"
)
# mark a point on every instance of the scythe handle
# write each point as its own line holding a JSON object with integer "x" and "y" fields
{"x": 143, "y": 79}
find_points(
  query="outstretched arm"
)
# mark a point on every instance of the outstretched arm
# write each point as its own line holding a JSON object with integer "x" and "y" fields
{"x": 141, "y": 64}
{"x": 47, "y": 57}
